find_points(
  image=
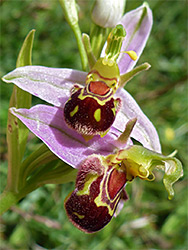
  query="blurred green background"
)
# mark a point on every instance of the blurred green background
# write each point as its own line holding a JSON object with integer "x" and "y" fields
{"x": 148, "y": 220}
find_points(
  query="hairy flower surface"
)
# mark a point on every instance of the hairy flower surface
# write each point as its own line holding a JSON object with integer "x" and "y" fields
{"x": 101, "y": 180}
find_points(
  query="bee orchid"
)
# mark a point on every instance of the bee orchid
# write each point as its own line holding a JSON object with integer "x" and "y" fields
{"x": 101, "y": 180}
{"x": 55, "y": 85}
{"x": 93, "y": 120}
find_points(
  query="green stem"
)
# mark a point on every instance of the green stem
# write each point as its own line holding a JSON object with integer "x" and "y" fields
{"x": 45, "y": 169}
{"x": 71, "y": 14}
{"x": 81, "y": 48}
{"x": 13, "y": 150}
{"x": 7, "y": 199}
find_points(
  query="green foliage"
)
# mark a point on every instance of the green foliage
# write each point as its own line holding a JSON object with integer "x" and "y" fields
{"x": 148, "y": 220}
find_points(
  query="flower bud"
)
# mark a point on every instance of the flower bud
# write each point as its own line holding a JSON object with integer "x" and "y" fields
{"x": 107, "y": 13}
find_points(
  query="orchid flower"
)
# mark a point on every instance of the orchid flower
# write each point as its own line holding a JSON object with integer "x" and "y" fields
{"x": 54, "y": 85}
{"x": 104, "y": 165}
{"x": 108, "y": 160}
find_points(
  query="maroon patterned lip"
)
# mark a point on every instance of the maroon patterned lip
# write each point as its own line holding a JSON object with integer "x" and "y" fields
{"x": 98, "y": 88}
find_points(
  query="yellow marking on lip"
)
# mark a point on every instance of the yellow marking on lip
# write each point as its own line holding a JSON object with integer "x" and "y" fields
{"x": 99, "y": 201}
{"x": 102, "y": 134}
{"x": 114, "y": 111}
{"x": 75, "y": 110}
{"x": 78, "y": 215}
{"x": 103, "y": 102}
{"x": 90, "y": 178}
{"x": 97, "y": 115}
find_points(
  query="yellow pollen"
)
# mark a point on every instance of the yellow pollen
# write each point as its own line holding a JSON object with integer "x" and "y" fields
{"x": 72, "y": 113}
{"x": 131, "y": 53}
{"x": 107, "y": 62}
{"x": 142, "y": 171}
{"x": 97, "y": 115}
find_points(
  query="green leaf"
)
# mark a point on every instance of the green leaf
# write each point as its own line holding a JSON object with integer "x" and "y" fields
{"x": 54, "y": 171}
{"x": 17, "y": 133}
{"x": 40, "y": 168}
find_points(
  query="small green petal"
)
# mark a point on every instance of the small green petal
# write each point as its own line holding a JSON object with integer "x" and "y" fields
{"x": 89, "y": 52}
{"x": 129, "y": 75}
{"x": 123, "y": 138}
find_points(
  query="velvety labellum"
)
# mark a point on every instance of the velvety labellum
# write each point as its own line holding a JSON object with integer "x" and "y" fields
{"x": 99, "y": 188}
{"x": 92, "y": 110}
{"x": 89, "y": 115}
